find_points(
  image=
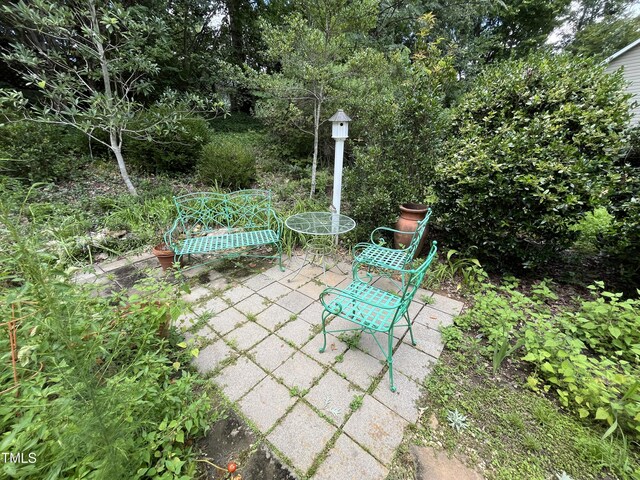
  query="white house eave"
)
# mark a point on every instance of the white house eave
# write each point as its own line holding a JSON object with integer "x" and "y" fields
{"x": 622, "y": 51}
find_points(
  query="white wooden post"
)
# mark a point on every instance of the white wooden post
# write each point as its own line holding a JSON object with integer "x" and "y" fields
{"x": 339, "y": 132}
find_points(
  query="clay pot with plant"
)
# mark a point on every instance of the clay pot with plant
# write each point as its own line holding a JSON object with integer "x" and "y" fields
{"x": 410, "y": 215}
{"x": 164, "y": 255}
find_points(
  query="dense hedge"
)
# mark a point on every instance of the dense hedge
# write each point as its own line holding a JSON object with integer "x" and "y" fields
{"x": 529, "y": 152}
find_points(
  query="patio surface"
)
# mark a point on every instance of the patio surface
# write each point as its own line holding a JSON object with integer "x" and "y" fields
{"x": 322, "y": 414}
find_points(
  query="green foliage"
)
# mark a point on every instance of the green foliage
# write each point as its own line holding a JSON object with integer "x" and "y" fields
{"x": 592, "y": 230}
{"x": 36, "y": 152}
{"x": 227, "y": 162}
{"x": 457, "y": 420}
{"x": 102, "y": 393}
{"x": 467, "y": 272}
{"x": 588, "y": 356}
{"x": 530, "y": 148}
{"x": 174, "y": 150}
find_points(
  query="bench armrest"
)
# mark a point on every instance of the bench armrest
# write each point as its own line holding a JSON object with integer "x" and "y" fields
{"x": 279, "y": 223}
{"x": 170, "y": 237}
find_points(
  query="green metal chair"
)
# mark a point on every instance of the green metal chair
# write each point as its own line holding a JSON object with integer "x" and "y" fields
{"x": 376, "y": 254}
{"x": 373, "y": 309}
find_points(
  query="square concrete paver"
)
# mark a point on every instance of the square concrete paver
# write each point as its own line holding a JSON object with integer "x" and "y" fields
{"x": 312, "y": 289}
{"x": 377, "y": 428}
{"x": 258, "y": 282}
{"x": 447, "y": 305}
{"x": 274, "y": 291}
{"x": 196, "y": 294}
{"x": 313, "y": 313}
{"x": 271, "y": 352}
{"x": 237, "y": 294}
{"x": 433, "y": 318}
{"x": 247, "y": 335}
{"x": 211, "y": 356}
{"x": 332, "y": 396}
{"x": 427, "y": 339}
{"x": 295, "y": 281}
{"x": 266, "y": 403}
{"x": 226, "y": 321}
{"x": 237, "y": 379}
{"x": 333, "y": 350}
{"x": 298, "y": 371}
{"x": 403, "y": 400}
{"x": 348, "y": 456}
{"x": 277, "y": 274}
{"x": 252, "y": 305}
{"x": 212, "y": 306}
{"x": 301, "y": 436}
{"x": 296, "y": 331}
{"x": 274, "y": 317}
{"x": 359, "y": 367}
{"x": 295, "y": 302}
{"x": 368, "y": 344}
{"x": 412, "y": 362}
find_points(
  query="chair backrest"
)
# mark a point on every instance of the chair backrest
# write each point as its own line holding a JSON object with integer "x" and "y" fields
{"x": 208, "y": 211}
{"x": 417, "y": 236}
{"x": 416, "y": 276}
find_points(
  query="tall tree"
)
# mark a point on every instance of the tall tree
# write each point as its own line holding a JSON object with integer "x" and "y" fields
{"x": 89, "y": 62}
{"x": 312, "y": 47}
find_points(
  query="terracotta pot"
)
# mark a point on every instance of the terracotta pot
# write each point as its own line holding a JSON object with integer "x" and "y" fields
{"x": 410, "y": 215}
{"x": 164, "y": 255}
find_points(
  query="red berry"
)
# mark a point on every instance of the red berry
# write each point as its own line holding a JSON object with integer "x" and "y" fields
{"x": 231, "y": 467}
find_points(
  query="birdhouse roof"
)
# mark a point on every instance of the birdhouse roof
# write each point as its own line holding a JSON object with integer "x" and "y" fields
{"x": 340, "y": 116}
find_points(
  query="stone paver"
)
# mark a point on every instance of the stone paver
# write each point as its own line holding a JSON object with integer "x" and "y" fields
{"x": 368, "y": 344}
{"x": 433, "y": 318}
{"x": 312, "y": 314}
{"x": 447, "y": 305}
{"x": 312, "y": 289}
{"x": 276, "y": 273}
{"x": 432, "y": 464}
{"x": 346, "y": 455}
{"x": 333, "y": 350}
{"x": 296, "y": 331}
{"x": 213, "y": 306}
{"x": 274, "y": 291}
{"x": 332, "y": 396}
{"x": 186, "y": 320}
{"x": 295, "y": 302}
{"x": 427, "y": 339}
{"x": 226, "y": 321}
{"x": 359, "y": 367}
{"x": 377, "y": 428}
{"x": 211, "y": 356}
{"x": 251, "y": 305}
{"x": 258, "y": 282}
{"x": 247, "y": 335}
{"x": 412, "y": 362}
{"x": 301, "y": 436}
{"x": 237, "y": 294}
{"x": 271, "y": 353}
{"x": 298, "y": 371}
{"x": 196, "y": 294}
{"x": 266, "y": 403}
{"x": 274, "y": 317}
{"x": 403, "y": 400}
{"x": 237, "y": 379}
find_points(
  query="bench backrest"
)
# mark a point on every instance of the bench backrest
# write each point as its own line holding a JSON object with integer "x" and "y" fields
{"x": 203, "y": 212}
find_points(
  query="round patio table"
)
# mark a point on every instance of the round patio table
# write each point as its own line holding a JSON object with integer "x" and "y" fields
{"x": 319, "y": 225}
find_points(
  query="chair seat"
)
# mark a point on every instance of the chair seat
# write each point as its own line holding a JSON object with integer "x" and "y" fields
{"x": 367, "y": 310}
{"x": 377, "y": 256}
{"x": 227, "y": 241}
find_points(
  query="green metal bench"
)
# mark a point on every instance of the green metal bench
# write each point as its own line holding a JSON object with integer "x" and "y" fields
{"x": 375, "y": 254}
{"x": 373, "y": 309}
{"x": 229, "y": 224}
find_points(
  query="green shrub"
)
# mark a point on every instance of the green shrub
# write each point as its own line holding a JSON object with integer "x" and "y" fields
{"x": 530, "y": 149}
{"x": 593, "y": 230}
{"x": 36, "y": 152}
{"x": 102, "y": 394}
{"x": 174, "y": 151}
{"x": 227, "y": 162}
{"x": 588, "y": 356}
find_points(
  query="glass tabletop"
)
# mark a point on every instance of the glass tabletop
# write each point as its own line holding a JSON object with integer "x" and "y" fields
{"x": 320, "y": 223}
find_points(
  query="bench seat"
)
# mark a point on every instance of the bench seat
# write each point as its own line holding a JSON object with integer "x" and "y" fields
{"x": 227, "y": 241}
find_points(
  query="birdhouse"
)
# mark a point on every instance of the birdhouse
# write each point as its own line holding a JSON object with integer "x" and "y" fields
{"x": 340, "y": 125}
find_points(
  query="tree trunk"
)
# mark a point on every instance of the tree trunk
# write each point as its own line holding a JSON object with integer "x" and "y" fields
{"x": 116, "y": 147}
{"x": 316, "y": 134}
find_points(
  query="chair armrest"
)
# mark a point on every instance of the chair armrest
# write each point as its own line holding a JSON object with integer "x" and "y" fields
{"x": 169, "y": 239}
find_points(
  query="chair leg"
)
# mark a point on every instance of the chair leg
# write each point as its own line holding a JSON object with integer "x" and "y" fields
{"x": 390, "y": 359}
{"x": 325, "y": 314}
{"x": 279, "y": 245}
{"x": 406, "y": 315}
